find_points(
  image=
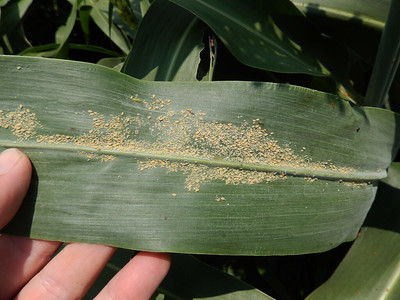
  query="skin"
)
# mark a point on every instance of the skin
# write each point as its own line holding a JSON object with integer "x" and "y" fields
{"x": 28, "y": 271}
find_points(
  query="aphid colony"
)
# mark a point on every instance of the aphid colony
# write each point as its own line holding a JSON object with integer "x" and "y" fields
{"x": 179, "y": 140}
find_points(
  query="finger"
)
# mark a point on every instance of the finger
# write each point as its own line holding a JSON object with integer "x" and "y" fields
{"x": 70, "y": 274}
{"x": 15, "y": 176}
{"x": 139, "y": 278}
{"x": 20, "y": 259}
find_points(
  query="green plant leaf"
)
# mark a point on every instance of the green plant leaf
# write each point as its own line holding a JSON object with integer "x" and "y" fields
{"x": 84, "y": 19}
{"x": 3, "y": 2}
{"x": 276, "y": 36}
{"x": 369, "y": 12}
{"x": 13, "y": 38}
{"x": 144, "y": 6}
{"x": 387, "y": 60}
{"x": 370, "y": 269}
{"x": 39, "y": 50}
{"x": 11, "y": 15}
{"x": 269, "y": 35}
{"x": 189, "y": 278}
{"x": 99, "y": 14}
{"x": 171, "y": 47}
{"x": 393, "y": 178}
{"x": 112, "y": 62}
{"x": 356, "y": 24}
{"x": 219, "y": 167}
{"x": 126, "y": 13}
{"x": 61, "y": 38}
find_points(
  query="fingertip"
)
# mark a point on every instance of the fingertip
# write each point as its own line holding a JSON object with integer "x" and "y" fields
{"x": 15, "y": 176}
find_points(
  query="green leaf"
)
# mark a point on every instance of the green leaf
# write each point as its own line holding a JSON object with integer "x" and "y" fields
{"x": 217, "y": 167}
{"x": 61, "y": 38}
{"x": 84, "y": 20}
{"x": 63, "y": 32}
{"x": 125, "y": 11}
{"x": 356, "y": 24}
{"x": 393, "y": 178}
{"x": 112, "y": 62}
{"x": 3, "y": 2}
{"x": 270, "y": 35}
{"x": 13, "y": 38}
{"x": 11, "y": 15}
{"x": 144, "y": 6}
{"x": 370, "y": 270}
{"x": 190, "y": 278}
{"x": 99, "y": 14}
{"x": 387, "y": 59}
{"x": 171, "y": 47}
{"x": 276, "y": 36}
{"x": 39, "y": 50}
{"x": 369, "y": 12}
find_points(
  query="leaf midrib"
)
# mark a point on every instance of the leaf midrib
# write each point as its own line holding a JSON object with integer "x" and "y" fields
{"x": 325, "y": 174}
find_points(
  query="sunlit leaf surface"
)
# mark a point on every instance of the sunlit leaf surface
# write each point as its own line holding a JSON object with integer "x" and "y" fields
{"x": 225, "y": 168}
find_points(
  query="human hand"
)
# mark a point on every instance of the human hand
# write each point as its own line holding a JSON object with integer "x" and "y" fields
{"x": 28, "y": 272}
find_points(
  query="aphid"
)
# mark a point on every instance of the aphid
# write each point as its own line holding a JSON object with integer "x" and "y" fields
{"x": 136, "y": 100}
{"x": 333, "y": 105}
{"x": 358, "y": 129}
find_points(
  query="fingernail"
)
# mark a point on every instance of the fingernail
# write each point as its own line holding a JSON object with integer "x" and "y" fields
{"x": 8, "y": 159}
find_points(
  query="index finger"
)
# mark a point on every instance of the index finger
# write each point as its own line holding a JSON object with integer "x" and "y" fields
{"x": 15, "y": 176}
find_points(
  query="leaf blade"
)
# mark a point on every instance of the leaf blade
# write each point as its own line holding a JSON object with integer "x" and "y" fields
{"x": 371, "y": 267}
{"x": 119, "y": 202}
{"x": 171, "y": 47}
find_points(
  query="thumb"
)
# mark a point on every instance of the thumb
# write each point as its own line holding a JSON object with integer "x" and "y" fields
{"x": 15, "y": 176}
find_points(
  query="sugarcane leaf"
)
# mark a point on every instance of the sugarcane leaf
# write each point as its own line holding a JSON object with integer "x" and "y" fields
{"x": 190, "y": 278}
{"x": 166, "y": 49}
{"x": 12, "y": 14}
{"x": 371, "y": 267}
{"x": 219, "y": 167}
{"x": 393, "y": 178}
{"x": 99, "y": 14}
{"x": 271, "y": 35}
{"x": 369, "y": 12}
